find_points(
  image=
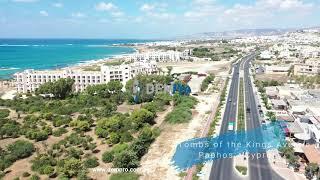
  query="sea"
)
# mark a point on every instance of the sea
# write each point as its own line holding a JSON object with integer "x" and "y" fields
{"x": 40, "y": 54}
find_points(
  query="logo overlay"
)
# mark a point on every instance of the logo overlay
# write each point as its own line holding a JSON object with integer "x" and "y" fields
{"x": 228, "y": 145}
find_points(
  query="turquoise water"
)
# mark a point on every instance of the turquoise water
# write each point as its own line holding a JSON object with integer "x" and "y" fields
{"x": 19, "y": 54}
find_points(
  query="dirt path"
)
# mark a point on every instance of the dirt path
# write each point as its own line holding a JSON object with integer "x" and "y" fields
{"x": 156, "y": 163}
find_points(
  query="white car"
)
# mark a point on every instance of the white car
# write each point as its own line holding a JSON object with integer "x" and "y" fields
{"x": 230, "y": 126}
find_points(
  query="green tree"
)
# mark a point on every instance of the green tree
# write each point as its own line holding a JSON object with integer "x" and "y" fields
{"x": 311, "y": 170}
{"x": 60, "y": 89}
{"x": 126, "y": 159}
{"x": 141, "y": 116}
{"x": 100, "y": 90}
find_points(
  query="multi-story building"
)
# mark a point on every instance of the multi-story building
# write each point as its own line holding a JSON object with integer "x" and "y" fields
{"x": 168, "y": 56}
{"x": 278, "y": 69}
{"x": 310, "y": 52}
{"x": 311, "y": 67}
{"x": 266, "y": 55}
{"x": 30, "y": 80}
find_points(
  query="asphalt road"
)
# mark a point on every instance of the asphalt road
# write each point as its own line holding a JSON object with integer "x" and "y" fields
{"x": 259, "y": 168}
{"x": 222, "y": 169}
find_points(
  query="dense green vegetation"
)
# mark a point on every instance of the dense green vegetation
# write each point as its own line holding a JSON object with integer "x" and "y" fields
{"x": 214, "y": 55}
{"x": 114, "y": 63}
{"x": 261, "y": 88}
{"x": 205, "y": 83}
{"x": 241, "y": 118}
{"x": 127, "y": 136}
{"x": 9, "y": 128}
{"x": 287, "y": 151}
{"x": 4, "y": 113}
{"x": 205, "y": 53}
{"x": 307, "y": 81}
{"x": 143, "y": 95}
{"x": 60, "y": 89}
{"x": 18, "y": 150}
{"x": 311, "y": 170}
{"x": 271, "y": 116}
{"x": 124, "y": 176}
{"x": 182, "y": 109}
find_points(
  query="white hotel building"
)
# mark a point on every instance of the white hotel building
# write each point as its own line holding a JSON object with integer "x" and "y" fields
{"x": 168, "y": 56}
{"x": 30, "y": 80}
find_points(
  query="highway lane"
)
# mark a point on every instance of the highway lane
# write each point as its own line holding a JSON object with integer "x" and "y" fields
{"x": 259, "y": 168}
{"x": 222, "y": 169}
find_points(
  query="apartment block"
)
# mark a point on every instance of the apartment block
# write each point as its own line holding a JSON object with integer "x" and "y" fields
{"x": 311, "y": 67}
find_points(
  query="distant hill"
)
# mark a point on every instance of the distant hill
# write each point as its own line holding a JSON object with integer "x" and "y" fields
{"x": 241, "y": 33}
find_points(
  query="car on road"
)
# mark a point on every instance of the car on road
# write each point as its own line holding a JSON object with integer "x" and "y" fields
{"x": 234, "y": 104}
{"x": 230, "y": 100}
{"x": 248, "y": 110}
{"x": 230, "y": 126}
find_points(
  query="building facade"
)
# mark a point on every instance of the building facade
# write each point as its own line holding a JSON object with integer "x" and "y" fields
{"x": 277, "y": 69}
{"x": 311, "y": 67}
{"x": 168, "y": 56}
{"x": 30, "y": 80}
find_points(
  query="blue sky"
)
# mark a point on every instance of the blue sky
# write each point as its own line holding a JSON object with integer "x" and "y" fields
{"x": 148, "y": 18}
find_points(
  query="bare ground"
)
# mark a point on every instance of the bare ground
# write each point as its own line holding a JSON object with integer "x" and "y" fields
{"x": 268, "y": 77}
{"x": 156, "y": 164}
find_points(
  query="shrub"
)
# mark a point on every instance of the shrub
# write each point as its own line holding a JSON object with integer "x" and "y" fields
{"x": 37, "y": 135}
{"x": 59, "y": 132}
{"x": 4, "y": 113}
{"x": 126, "y": 159}
{"x": 9, "y": 129}
{"x": 125, "y": 137}
{"x": 206, "y": 82}
{"x": 141, "y": 116}
{"x": 25, "y": 174}
{"x": 21, "y": 149}
{"x": 34, "y": 177}
{"x": 91, "y": 162}
{"x": 182, "y": 111}
{"x": 114, "y": 138}
{"x": 70, "y": 167}
{"x": 107, "y": 157}
{"x": 124, "y": 176}
{"x": 43, "y": 164}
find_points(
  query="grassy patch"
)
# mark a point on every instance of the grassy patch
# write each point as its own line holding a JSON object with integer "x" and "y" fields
{"x": 218, "y": 111}
{"x": 125, "y": 176}
{"x": 91, "y": 68}
{"x": 205, "y": 83}
{"x": 240, "y": 122}
{"x": 4, "y": 113}
{"x": 114, "y": 63}
{"x": 242, "y": 169}
{"x": 182, "y": 110}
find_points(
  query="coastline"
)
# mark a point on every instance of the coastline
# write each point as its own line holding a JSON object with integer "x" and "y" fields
{"x": 81, "y": 64}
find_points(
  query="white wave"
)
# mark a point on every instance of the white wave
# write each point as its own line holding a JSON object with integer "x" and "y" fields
{"x": 99, "y": 46}
{"x": 13, "y": 45}
{"x": 7, "y": 69}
